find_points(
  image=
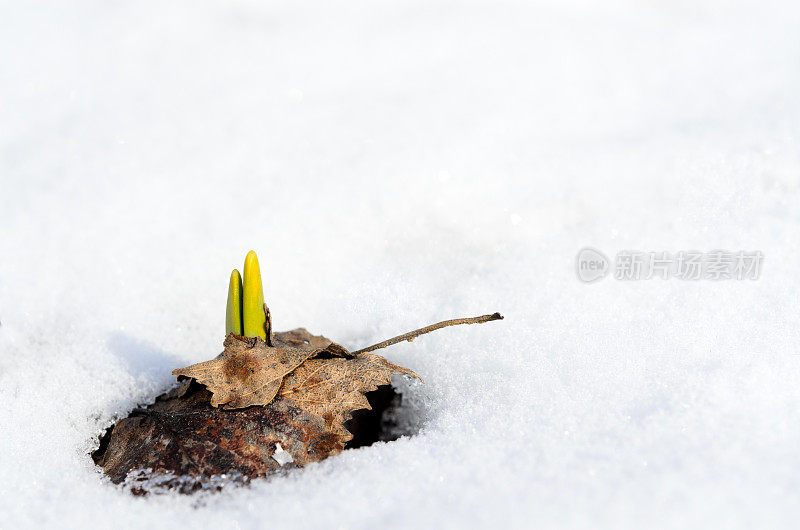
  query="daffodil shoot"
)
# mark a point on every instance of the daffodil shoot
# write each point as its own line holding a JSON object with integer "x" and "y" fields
{"x": 233, "y": 312}
{"x": 254, "y": 316}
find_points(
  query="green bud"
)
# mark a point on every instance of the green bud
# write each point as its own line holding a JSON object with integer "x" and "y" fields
{"x": 233, "y": 312}
{"x": 253, "y": 316}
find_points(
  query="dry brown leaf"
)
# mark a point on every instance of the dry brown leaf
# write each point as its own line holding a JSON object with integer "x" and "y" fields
{"x": 334, "y": 388}
{"x": 249, "y": 372}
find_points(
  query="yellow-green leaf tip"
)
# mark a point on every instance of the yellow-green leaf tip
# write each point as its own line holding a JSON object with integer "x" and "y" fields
{"x": 254, "y": 319}
{"x": 233, "y": 311}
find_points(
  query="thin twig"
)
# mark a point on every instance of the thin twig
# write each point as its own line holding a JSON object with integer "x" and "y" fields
{"x": 411, "y": 335}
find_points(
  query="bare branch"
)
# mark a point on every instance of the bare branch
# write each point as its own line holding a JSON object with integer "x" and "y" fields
{"x": 411, "y": 335}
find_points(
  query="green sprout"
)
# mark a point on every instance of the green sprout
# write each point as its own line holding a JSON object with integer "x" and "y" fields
{"x": 233, "y": 312}
{"x": 245, "y": 313}
{"x": 254, "y": 318}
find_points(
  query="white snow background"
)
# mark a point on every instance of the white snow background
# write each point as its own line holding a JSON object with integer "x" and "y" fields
{"x": 395, "y": 164}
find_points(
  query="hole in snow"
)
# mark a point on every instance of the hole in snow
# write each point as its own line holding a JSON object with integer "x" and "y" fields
{"x": 388, "y": 419}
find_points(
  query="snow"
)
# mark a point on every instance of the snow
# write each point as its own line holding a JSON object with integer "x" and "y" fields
{"x": 395, "y": 164}
{"x": 282, "y": 456}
